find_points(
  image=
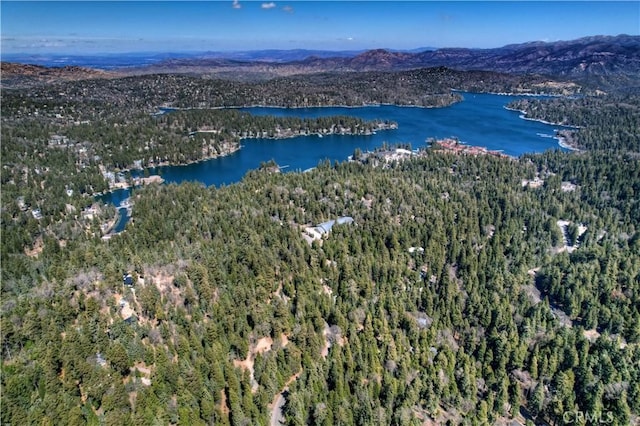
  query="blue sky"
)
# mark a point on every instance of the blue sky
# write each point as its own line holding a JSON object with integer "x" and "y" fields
{"x": 172, "y": 26}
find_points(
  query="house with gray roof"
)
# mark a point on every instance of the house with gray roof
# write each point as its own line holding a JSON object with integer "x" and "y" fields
{"x": 323, "y": 229}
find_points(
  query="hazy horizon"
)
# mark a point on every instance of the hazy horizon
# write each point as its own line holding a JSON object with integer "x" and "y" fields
{"x": 240, "y": 51}
{"x": 100, "y": 28}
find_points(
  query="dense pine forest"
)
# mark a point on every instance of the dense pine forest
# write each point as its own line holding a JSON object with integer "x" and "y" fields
{"x": 467, "y": 289}
{"x": 606, "y": 123}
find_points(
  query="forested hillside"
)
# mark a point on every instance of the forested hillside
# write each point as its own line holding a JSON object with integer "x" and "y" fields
{"x": 606, "y": 122}
{"x": 467, "y": 289}
{"x": 57, "y": 154}
{"x": 373, "y": 331}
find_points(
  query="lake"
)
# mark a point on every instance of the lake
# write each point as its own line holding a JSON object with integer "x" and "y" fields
{"x": 481, "y": 119}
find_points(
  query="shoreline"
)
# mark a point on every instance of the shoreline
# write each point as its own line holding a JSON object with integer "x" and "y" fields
{"x": 523, "y": 115}
{"x": 127, "y": 185}
{"x": 554, "y": 95}
{"x": 563, "y": 144}
{"x": 565, "y": 141}
{"x": 457, "y": 147}
{"x": 210, "y": 157}
{"x": 157, "y": 178}
{"x": 534, "y": 95}
{"x": 142, "y": 181}
{"x": 393, "y": 126}
{"x": 372, "y": 105}
{"x": 562, "y": 138}
{"x": 168, "y": 109}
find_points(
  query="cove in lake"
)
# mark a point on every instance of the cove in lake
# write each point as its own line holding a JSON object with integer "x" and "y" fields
{"x": 480, "y": 119}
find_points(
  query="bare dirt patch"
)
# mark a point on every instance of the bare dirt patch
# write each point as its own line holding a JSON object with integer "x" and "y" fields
{"x": 280, "y": 294}
{"x": 331, "y": 335}
{"x": 223, "y": 403}
{"x": 284, "y": 340}
{"x": 261, "y": 345}
{"x": 246, "y": 364}
{"x": 164, "y": 280}
{"x": 36, "y": 249}
{"x": 591, "y": 335}
{"x": 533, "y": 271}
{"x": 142, "y": 368}
{"x": 125, "y": 308}
{"x": 326, "y": 289}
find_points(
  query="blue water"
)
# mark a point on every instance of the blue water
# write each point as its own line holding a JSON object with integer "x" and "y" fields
{"x": 480, "y": 119}
{"x": 115, "y": 198}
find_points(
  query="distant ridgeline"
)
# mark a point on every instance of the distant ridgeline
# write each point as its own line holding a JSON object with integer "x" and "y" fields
{"x": 605, "y": 61}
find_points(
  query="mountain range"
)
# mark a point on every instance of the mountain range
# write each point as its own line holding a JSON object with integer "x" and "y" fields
{"x": 592, "y": 55}
{"x": 606, "y": 60}
{"x": 113, "y": 61}
{"x": 598, "y": 58}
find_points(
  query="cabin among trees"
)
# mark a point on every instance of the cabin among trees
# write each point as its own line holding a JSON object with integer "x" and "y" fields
{"x": 323, "y": 229}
